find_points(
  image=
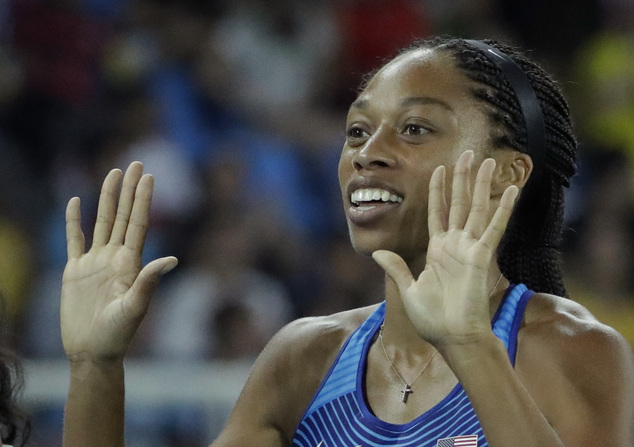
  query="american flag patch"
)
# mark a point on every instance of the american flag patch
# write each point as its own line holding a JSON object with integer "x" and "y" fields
{"x": 459, "y": 441}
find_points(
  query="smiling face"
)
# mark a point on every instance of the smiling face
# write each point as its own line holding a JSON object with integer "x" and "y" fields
{"x": 414, "y": 115}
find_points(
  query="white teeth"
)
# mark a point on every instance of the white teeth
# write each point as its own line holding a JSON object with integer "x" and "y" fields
{"x": 373, "y": 194}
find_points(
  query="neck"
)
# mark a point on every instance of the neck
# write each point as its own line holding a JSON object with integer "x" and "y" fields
{"x": 399, "y": 330}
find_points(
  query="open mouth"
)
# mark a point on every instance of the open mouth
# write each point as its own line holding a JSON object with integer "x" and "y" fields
{"x": 369, "y": 198}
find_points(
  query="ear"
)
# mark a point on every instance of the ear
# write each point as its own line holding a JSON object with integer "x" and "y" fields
{"x": 512, "y": 168}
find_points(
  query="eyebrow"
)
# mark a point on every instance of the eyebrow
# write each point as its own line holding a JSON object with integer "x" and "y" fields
{"x": 409, "y": 101}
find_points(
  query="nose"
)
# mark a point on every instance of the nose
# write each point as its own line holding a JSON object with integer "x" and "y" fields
{"x": 376, "y": 152}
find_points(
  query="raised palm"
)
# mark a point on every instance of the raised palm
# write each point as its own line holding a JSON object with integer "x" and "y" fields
{"x": 449, "y": 299}
{"x": 105, "y": 291}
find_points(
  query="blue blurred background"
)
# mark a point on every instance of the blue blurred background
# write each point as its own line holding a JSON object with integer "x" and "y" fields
{"x": 238, "y": 108}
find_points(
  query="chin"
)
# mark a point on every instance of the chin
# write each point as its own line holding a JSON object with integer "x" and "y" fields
{"x": 362, "y": 249}
{"x": 369, "y": 243}
{"x": 366, "y": 245}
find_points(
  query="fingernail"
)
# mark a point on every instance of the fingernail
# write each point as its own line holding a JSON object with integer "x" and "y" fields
{"x": 168, "y": 267}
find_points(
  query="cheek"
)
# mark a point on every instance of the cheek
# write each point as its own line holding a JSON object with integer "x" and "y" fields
{"x": 418, "y": 203}
{"x": 421, "y": 167}
{"x": 344, "y": 167}
{"x": 475, "y": 134}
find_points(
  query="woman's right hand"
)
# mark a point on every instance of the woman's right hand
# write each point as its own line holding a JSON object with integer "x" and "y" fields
{"x": 448, "y": 302}
{"x": 105, "y": 291}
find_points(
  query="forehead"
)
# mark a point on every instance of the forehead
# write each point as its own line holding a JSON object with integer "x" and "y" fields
{"x": 421, "y": 73}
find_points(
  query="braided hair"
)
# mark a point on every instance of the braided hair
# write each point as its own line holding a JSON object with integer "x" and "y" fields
{"x": 529, "y": 251}
{"x": 14, "y": 422}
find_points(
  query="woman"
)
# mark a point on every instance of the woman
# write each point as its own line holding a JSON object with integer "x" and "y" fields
{"x": 440, "y": 143}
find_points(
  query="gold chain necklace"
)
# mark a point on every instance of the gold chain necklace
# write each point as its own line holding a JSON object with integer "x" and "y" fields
{"x": 407, "y": 389}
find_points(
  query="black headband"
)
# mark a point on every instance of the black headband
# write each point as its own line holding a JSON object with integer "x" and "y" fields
{"x": 533, "y": 118}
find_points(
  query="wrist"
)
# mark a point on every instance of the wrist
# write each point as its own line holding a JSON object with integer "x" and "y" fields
{"x": 94, "y": 411}
{"x": 465, "y": 351}
{"x": 83, "y": 367}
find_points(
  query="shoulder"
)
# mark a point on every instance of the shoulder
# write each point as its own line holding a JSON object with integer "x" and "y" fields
{"x": 565, "y": 323}
{"x": 564, "y": 328}
{"x": 289, "y": 371}
{"x": 311, "y": 335}
{"x": 309, "y": 346}
{"x": 576, "y": 367}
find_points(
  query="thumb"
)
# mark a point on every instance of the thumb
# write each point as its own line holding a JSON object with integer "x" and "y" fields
{"x": 395, "y": 268}
{"x": 142, "y": 289}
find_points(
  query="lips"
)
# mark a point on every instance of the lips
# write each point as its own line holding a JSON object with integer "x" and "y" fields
{"x": 370, "y": 199}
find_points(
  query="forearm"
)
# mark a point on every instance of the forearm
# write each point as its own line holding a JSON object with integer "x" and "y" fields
{"x": 507, "y": 412}
{"x": 94, "y": 412}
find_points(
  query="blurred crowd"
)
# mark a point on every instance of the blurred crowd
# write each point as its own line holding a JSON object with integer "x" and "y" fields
{"x": 238, "y": 108}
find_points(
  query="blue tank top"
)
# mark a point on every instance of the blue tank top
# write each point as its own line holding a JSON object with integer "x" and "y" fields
{"x": 338, "y": 415}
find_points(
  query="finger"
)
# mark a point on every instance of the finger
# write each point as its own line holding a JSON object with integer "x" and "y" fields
{"x": 395, "y": 267}
{"x": 139, "y": 219}
{"x": 496, "y": 228}
{"x": 140, "y": 294}
{"x": 106, "y": 208}
{"x": 126, "y": 202}
{"x": 75, "y": 239}
{"x": 437, "y": 203}
{"x": 461, "y": 191}
{"x": 479, "y": 212}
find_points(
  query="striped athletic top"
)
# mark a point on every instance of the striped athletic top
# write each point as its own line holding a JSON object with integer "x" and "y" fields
{"x": 338, "y": 415}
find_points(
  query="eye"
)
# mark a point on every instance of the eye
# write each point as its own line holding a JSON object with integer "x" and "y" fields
{"x": 415, "y": 129}
{"x": 355, "y": 134}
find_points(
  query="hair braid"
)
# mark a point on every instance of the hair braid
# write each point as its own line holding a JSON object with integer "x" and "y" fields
{"x": 529, "y": 251}
{"x": 14, "y": 422}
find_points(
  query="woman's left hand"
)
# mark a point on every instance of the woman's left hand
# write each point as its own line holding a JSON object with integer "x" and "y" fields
{"x": 449, "y": 301}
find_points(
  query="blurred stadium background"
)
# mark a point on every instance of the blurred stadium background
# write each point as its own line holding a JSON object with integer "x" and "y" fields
{"x": 238, "y": 108}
